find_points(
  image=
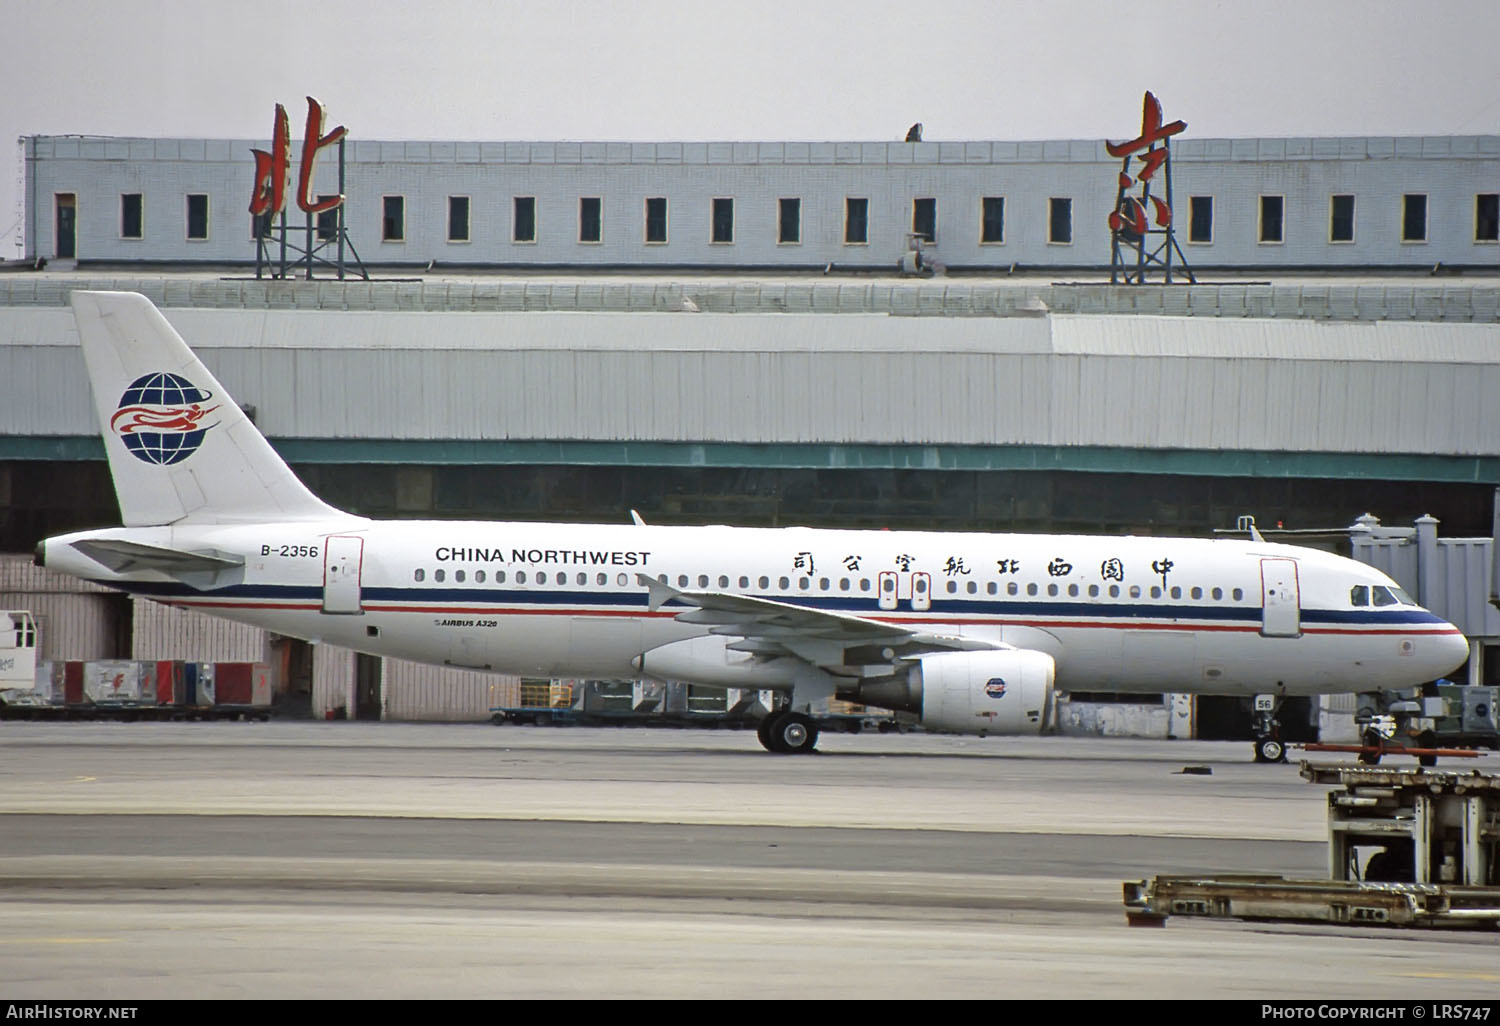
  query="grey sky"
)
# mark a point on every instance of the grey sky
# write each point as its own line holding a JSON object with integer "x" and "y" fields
{"x": 812, "y": 69}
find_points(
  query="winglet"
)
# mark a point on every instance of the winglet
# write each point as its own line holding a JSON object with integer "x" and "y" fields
{"x": 637, "y": 518}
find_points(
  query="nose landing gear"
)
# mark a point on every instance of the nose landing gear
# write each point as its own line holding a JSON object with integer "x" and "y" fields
{"x": 1266, "y": 729}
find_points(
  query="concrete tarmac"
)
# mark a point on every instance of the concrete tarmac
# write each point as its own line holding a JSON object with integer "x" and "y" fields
{"x": 349, "y": 860}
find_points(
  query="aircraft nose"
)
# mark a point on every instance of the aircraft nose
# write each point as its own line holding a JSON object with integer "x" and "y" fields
{"x": 1451, "y": 651}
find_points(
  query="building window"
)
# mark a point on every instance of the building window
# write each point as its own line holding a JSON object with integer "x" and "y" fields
{"x": 924, "y": 218}
{"x": 1341, "y": 219}
{"x": 1487, "y": 217}
{"x": 458, "y": 219}
{"x": 132, "y": 216}
{"x": 1270, "y": 218}
{"x": 328, "y": 221}
{"x": 523, "y": 224}
{"x": 260, "y": 225}
{"x": 723, "y": 219}
{"x": 992, "y": 220}
{"x": 590, "y": 219}
{"x": 856, "y": 221}
{"x": 1200, "y": 219}
{"x": 197, "y": 215}
{"x": 393, "y": 219}
{"x": 656, "y": 219}
{"x": 1414, "y": 217}
{"x": 789, "y": 221}
{"x": 1060, "y": 221}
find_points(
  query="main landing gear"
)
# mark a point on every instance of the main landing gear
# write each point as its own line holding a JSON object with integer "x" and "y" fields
{"x": 788, "y": 733}
{"x": 1266, "y": 729}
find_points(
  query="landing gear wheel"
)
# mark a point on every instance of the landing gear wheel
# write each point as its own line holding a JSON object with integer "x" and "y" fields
{"x": 1269, "y": 749}
{"x": 763, "y": 730}
{"x": 790, "y": 734}
{"x": 1371, "y": 739}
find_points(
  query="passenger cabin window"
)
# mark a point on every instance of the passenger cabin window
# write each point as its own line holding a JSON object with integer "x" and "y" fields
{"x": 419, "y": 575}
{"x": 1359, "y": 595}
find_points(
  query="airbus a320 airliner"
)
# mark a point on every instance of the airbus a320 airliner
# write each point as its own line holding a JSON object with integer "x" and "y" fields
{"x": 972, "y": 633}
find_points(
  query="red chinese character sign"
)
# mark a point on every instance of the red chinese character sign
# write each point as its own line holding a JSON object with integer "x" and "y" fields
{"x": 1141, "y": 232}
{"x": 268, "y": 195}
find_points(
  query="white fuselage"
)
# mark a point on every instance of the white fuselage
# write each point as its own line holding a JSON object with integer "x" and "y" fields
{"x": 1127, "y": 614}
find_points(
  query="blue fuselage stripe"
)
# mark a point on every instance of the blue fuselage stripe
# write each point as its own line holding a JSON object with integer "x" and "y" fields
{"x": 859, "y": 606}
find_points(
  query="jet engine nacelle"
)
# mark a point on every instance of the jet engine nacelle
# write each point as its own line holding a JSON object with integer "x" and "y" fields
{"x": 1007, "y": 692}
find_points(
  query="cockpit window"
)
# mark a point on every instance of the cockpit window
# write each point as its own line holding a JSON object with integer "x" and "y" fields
{"x": 1359, "y": 595}
{"x": 1403, "y": 597}
{"x": 1384, "y": 596}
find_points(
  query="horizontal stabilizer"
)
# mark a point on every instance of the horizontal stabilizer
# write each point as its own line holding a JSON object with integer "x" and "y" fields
{"x": 125, "y": 556}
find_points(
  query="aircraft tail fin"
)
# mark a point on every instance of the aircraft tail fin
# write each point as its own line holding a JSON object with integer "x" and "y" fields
{"x": 180, "y": 449}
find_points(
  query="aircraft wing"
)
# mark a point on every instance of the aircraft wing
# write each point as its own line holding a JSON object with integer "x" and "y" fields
{"x": 770, "y": 628}
{"x": 125, "y": 556}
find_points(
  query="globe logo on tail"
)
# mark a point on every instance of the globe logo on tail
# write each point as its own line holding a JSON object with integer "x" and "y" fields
{"x": 161, "y": 418}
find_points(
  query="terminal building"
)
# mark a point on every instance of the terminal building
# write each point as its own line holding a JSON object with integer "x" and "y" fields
{"x": 985, "y": 207}
{"x": 720, "y": 333}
